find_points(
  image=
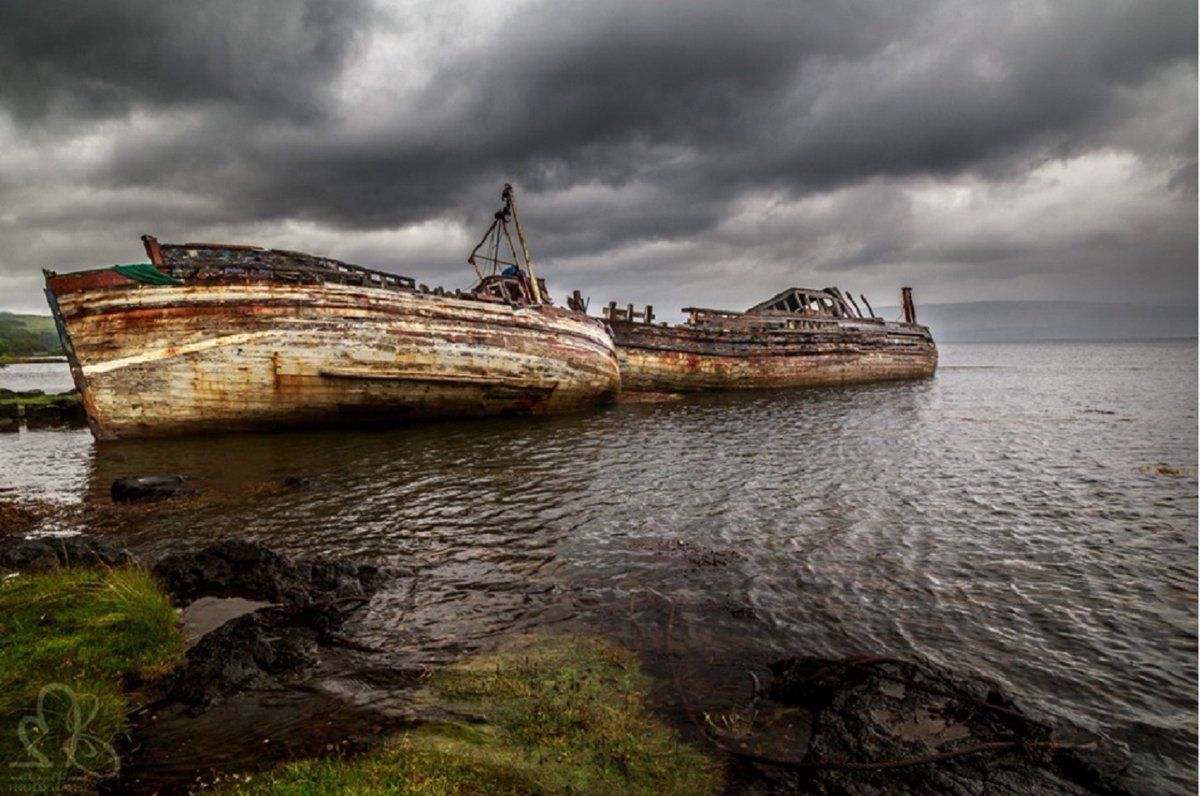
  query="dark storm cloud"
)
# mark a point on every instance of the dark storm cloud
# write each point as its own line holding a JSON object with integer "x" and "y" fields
{"x": 822, "y": 95}
{"x": 705, "y": 100}
{"x": 586, "y": 92}
{"x": 98, "y": 58}
{"x": 663, "y": 93}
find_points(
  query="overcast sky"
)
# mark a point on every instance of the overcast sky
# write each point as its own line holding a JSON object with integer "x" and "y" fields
{"x": 672, "y": 152}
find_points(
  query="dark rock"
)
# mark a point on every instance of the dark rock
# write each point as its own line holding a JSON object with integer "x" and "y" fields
{"x": 232, "y": 568}
{"x": 243, "y": 654}
{"x": 239, "y": 568}
{"x": 888, "y": 726}
{"x": 148, "y": 487}
{"x": 274, "y": 647}
{"x": 42, "y": 416}
{"x": 41, "y": 555}
{"x": 7, "y": 424}
{"x": 72, "y": 412}
{"x": 10, "y": 410}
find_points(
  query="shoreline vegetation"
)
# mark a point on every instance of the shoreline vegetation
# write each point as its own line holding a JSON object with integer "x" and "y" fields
{"x": 555, "y": 715}
{"x": 78, "y": 644}
{"x": 6, "y": 359}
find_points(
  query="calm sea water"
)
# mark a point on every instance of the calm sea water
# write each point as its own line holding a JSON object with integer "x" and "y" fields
{"x": 49, "y": 377}
{"x": 1029, "y": 515}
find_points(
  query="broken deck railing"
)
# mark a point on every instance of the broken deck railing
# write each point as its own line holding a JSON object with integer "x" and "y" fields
{"x": 233, "y": 261}
{"x": 627, "y": 313}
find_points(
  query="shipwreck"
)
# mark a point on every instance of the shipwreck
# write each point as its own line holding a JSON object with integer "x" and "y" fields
{"x": 798, "y": 338}
{"x": 214, "y": 337}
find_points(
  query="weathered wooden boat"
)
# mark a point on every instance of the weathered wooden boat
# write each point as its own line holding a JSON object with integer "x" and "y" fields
{"x": 213, "y": 337}
{"x": 798, "y": 338}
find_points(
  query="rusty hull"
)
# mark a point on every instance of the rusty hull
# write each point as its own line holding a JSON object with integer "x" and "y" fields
{"x": 247, "y": 353}
{"x": 683, "y": 358}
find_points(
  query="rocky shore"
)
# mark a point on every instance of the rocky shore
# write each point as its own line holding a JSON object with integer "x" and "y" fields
{"x": 868, "y": 725}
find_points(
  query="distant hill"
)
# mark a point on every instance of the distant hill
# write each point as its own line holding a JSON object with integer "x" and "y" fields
{"x": 28, "y": 336}
{"x": 1019, "y": 321}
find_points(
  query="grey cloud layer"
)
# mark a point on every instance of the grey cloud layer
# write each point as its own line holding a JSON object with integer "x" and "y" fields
{"x": 73, "y": 61}
{"x": 677, "y": 111}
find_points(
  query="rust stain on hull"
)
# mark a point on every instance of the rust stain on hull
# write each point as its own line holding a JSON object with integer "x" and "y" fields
{"x": 247, "y": 353}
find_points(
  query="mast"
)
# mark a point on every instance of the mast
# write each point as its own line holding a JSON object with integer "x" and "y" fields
{"x": 512, "y": 203}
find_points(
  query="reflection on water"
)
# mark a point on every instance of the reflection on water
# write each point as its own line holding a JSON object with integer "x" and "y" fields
{"x": 1029, "y": 515}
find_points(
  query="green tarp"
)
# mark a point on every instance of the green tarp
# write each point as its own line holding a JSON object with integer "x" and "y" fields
{"x": 145, "y": 272}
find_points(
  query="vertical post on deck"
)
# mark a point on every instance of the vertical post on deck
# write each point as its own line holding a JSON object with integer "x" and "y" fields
{"x": 910, "y": 310}
{"x": 152, "y": 250}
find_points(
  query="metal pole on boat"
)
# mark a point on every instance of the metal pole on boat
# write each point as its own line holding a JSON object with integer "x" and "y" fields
{"x": 533, "y": 283}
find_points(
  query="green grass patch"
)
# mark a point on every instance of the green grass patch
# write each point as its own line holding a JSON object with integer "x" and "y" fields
{"x": 73, "y": 645}
{"x": 39, "y": 400}
{"x": 565, "y": 716}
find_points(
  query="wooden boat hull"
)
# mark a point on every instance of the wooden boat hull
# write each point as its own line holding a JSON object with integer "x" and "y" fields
{"x": 657, "y": 358}
{"x": 253, "y": 354}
